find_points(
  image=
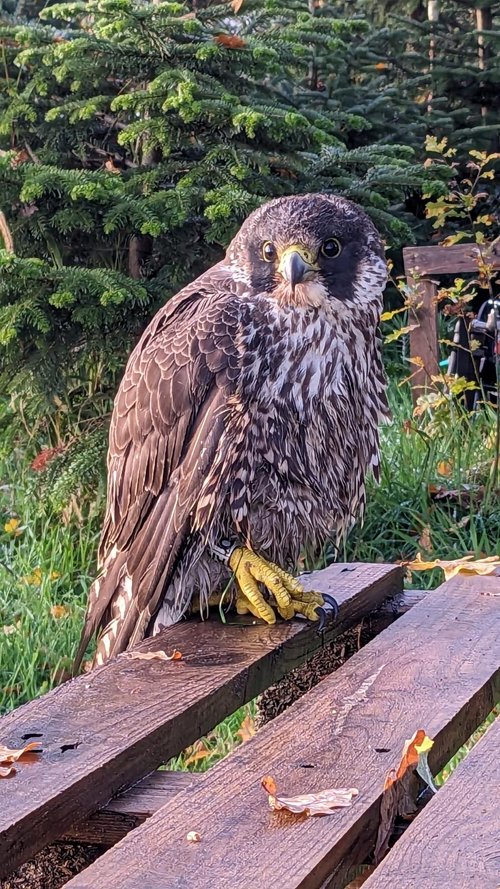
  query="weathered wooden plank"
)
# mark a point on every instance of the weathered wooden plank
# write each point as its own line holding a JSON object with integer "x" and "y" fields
{"x": 424, "y": 346}
{"x": 105, "y": 730}
{"x": 455, "y": 842}
{"x": 133, "y": 806}
{"x": 437, "y": 668}
{"x": 452, "y": 260}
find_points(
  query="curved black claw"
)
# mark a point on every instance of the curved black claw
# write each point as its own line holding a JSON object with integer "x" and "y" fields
{"x": 329, "y": 613}
{"x": 334, "y": 605}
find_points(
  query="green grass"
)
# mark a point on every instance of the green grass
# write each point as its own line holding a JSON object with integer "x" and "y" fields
{"x": 51, "y": 562}
{"x": 48, "y": 566}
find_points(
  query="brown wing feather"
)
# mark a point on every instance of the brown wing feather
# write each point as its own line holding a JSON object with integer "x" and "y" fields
{"x": 166, "y": 425}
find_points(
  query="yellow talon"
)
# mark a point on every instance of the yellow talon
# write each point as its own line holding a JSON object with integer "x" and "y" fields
{"x": 287, "y": 594}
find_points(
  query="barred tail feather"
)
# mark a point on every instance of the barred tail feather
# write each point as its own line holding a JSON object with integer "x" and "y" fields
{"x": 125, "y": 597}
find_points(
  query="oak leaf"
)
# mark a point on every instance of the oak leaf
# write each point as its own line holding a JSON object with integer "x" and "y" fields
{"x": 321, "y": 803}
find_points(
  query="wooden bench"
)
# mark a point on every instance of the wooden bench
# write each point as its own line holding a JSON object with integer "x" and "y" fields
{"x": 437, "y": 667}
{"x": 456, "y": 841}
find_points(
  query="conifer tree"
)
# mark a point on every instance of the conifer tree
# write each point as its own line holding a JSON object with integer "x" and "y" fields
{"x": 427, "y": 68}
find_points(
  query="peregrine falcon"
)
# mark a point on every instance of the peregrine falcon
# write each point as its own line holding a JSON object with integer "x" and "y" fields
{"x": 244, "y": 426}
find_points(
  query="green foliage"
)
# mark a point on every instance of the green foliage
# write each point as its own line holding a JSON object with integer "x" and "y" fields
{"x": 437, "y": 478}
{"x": 413, "y": 75}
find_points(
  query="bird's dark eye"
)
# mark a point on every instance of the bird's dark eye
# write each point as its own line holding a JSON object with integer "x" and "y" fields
{"x": 268, "y": 252}
{"x": 331, "y": 248}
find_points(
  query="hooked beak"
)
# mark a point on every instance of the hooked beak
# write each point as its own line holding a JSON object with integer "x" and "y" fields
{"x": 295, "y": 264}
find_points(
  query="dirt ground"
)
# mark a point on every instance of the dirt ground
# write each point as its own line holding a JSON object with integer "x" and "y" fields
{"x": 53, "y": 866}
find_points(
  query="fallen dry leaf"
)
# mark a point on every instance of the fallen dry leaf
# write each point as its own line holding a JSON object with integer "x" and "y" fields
{"x": 11, "y": 755}
{"x": 247, "y": 728}
{"x": 236, "y": 5}
{"x": 59, "y": 611}
{"x": 193, "y": 836}
{"x": 8, "y": 756}
{"x": 400, "y": 789}
{"x": 230, "y": 41}
{"x": 465, "y": 565}
{"x": 322, "y": 803}
{"x": 155, "y": 655}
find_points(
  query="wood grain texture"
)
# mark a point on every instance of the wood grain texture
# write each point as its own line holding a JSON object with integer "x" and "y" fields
{"x": 105, "y": 730}
{"x": 424, "y": 344}
{"x": 437, "y": 667}
{"x": 132, "y": 807}
{"x": 453, "y": 260}
{"x": 455, "y": 842}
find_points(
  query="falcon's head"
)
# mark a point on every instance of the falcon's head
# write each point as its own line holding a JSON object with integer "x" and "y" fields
{"x": 310, "y": 249}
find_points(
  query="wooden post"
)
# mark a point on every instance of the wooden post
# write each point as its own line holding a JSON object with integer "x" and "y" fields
{"x": 422, "y": 265}
{"x": 424, "y": 337}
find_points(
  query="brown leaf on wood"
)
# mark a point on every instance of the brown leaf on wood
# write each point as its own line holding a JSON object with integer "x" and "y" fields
{"x": 465, "y": 565}
{"x": 230, "y": 41}
{"x": 321, "y": 803}
{"x": 400, "y": 789}
{"x": 247, "y": 728}
{"x": 155, "y": 655}
{"x": 8, "y": 756}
